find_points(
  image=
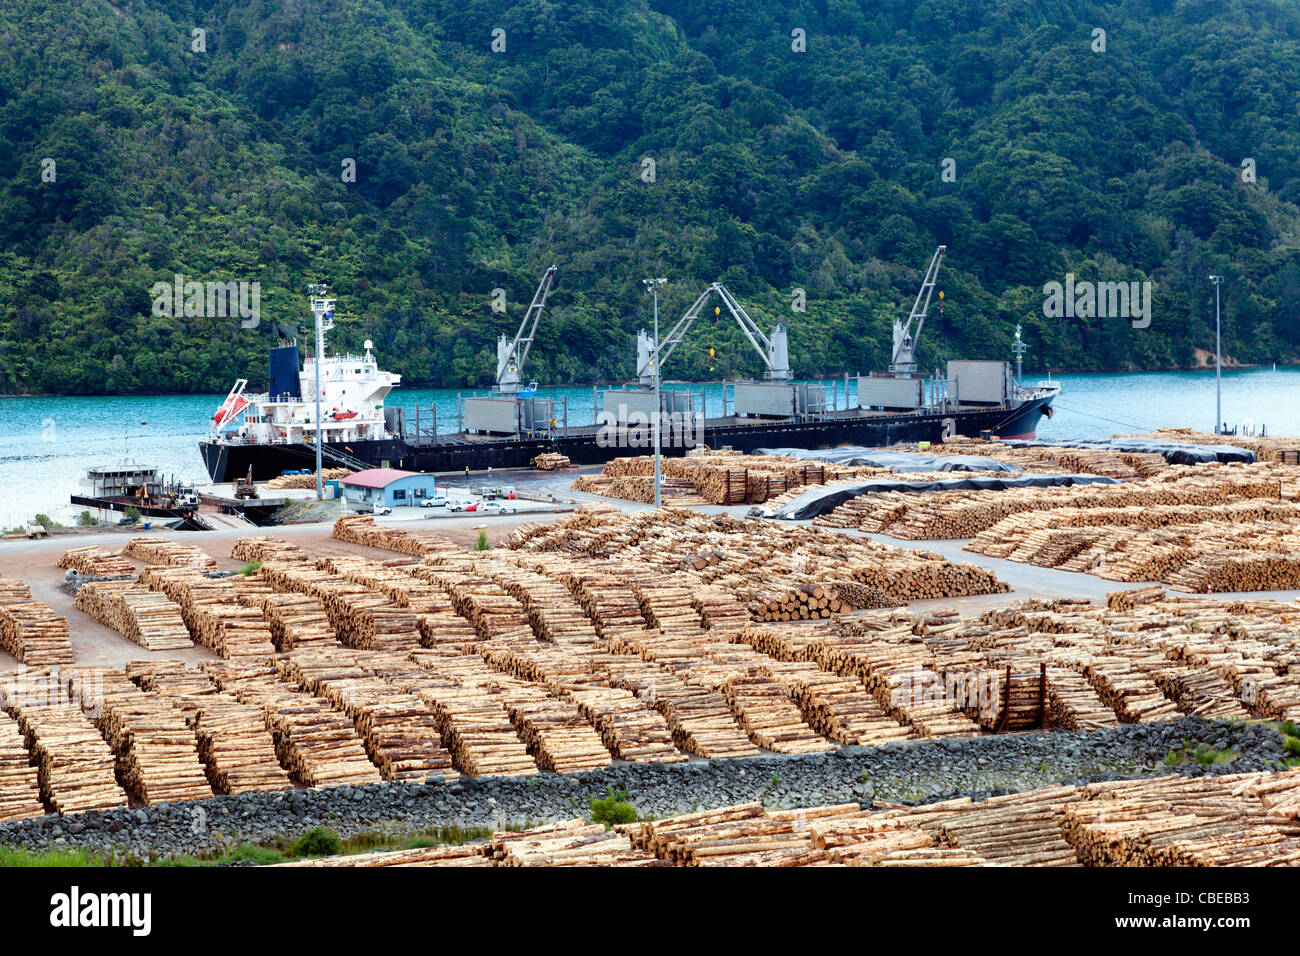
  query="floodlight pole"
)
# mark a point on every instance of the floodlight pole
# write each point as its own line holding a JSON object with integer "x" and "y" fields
{"x": 653, "y": 285}
{"x": 1218, "y": 360}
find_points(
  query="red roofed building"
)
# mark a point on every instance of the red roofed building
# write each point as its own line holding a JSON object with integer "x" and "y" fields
{"x": 380, "y": 487}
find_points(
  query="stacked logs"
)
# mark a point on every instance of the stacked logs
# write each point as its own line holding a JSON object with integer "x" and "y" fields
{"x": 266, "y": 548}
{"x": 76, "y": 770}
{"x": 399, "y": 730}
{"x": 472, "y": 717}
{"x": 31, "y": 632}
{"x": 550, "y": 461}
{"x": 170, "y": 553}
{"x": 361, "y": 529}
{"x": 317, "y": 745}
{"x": 234, "y": 743}
{"x": 286, "y": 482}
{"x": 1229, "y": 820}
{"x": 20, "y": 790}
{"x": 149, "y": 618}
{"x": 157, "y": 753}
{"x": 295, "y": 620}
{"x": 93, "y": 561}
{"x": 213, "y": 612}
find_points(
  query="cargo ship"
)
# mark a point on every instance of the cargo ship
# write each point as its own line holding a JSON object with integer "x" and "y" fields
{"x": 277, "y": 431}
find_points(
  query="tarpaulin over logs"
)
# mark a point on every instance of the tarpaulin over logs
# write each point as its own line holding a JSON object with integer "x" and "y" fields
{"x": 893, "y": 460}
{"x": 1176, "y": 453}
{"x": 820, "y": 499}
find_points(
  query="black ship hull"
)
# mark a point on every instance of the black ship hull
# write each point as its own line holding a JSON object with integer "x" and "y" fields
{"x": 588, "y": 446}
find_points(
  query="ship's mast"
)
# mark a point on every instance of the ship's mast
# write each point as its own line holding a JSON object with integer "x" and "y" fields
{"x": 322, "y": 310}
{"x": 1018, "y": 348}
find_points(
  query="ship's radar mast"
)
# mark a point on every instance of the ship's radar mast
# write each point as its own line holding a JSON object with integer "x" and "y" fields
{"x": 512, "y": 354}
{"x": 1018, "y": 349}
{"x": 905, "y": 337}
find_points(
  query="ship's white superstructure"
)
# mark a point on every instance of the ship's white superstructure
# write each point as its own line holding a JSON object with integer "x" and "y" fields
{"x": 353, "y": 388}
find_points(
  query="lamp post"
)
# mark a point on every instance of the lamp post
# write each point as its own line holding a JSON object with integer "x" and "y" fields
{"x": 1218, "y": 360}
{"x": 653, "y": 285}
{"x": 322, "y": 310}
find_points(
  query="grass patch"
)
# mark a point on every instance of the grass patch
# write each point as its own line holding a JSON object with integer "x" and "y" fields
{"x": 1202, "y": 754}
{"x": 613, "y": 808}
{"x": 18, "y": 857}
{"x": 248, "y": 569}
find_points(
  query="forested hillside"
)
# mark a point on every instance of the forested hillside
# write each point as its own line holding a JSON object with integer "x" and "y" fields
{"x": 794, "y": 145}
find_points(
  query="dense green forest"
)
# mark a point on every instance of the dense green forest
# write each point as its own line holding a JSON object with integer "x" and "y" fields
{"x": 794, "y": 145}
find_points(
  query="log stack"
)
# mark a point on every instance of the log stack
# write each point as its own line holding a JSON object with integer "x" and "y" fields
{"x": 93, "y": 561}
{"x": 76, "y": 770}
{"x": 149, "y": 618}
{"x": 20, "y": 789}
{"x": 170, "y": 553}
{"x": 302, "y": 482}
{"x": 157, "y": 752}
{"x": 31, "y": 632}
{"x": 266, "y": 548}
{"x": 551, "y": 461}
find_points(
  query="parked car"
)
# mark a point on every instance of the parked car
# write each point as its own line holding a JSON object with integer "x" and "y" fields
{"x": 495, "y": 508}
{"x": 381, "y": 510}
{"x": 437, "y": 501}
{"x": 464, "y": 506}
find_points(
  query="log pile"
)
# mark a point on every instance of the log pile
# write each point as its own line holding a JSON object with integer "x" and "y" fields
{"x": 234, "y": 743}
{"x": 149, "y": 618}
{"x": 966, "y": 514}
{"x": 361, "y": 529}
{"x": 76, "y": 770}
{"x": 300, "y": 482}
{"x": 20, "y": 790}
{"x": 296, "y": 621}
{"x": 700, "y": 718}
{"x": 31, "y": 632}
{"x": 551, "y": 461}
{"x": 319, "y": 746}
{"x": 399, "y": 730}
{"x": 157, "y": 752}
{"x": 213, "y": 611}
{"x": 1229, "y": 820}
{"x": 170, "y": 553}
{"x": 713, "y": 478}
{"x": 472, "y": 717}
{"x": 1233, "y": 820}
{"x": 93, "y": 561}
{"x": 266, "y": 548}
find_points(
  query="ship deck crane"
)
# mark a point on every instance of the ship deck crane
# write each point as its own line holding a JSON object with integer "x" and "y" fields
{"x": 905, "y": 337}
{"x": 773, "y": 350}
{"x": 512, "y": 354}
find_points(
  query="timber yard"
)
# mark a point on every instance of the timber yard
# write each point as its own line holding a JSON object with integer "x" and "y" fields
{"x": 979, "y": 652}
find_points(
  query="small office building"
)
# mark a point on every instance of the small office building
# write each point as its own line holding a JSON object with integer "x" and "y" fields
{"x": 387, "y": 487}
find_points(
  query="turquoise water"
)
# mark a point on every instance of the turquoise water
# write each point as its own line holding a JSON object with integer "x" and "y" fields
{"x": 46, "y": 444}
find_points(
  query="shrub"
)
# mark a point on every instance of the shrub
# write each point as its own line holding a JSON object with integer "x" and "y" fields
{"x": 46, "y": 522}
{"x": 612, "y": 809}
{"x": 132, "y": 512}
{"x": 249, "y": 568}
{"x": 1292, "y": 746}
{"x": 87, "y": 520}
{"x": 482, "y": 543}
{"x": 318, "y": 841}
